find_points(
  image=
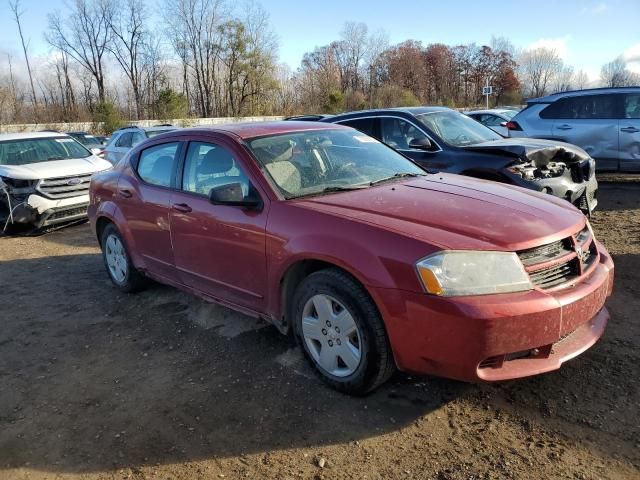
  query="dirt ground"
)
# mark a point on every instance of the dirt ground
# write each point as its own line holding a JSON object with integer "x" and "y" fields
{"x": 99, "y": 384}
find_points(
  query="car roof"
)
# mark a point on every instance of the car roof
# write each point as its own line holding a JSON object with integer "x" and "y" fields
{"x": 248, "y": 130}
{"x": 409, "y": 110}
{"x": 492, "y": 110}
{"x": 27, "y": 135}
{"x": 147, "y": 129}
{"x": 587, "y": 91}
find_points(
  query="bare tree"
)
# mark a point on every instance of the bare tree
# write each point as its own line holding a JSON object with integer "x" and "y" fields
{"x": 539, "y": 67}
{"x": 580, "y": 80}
{"x": 128, "y": 25}
{"x": 17, "y": 13}
{"x": 84, "y": 35}
{"x": 196, "y": 30}
{"x": 616, "y": 74}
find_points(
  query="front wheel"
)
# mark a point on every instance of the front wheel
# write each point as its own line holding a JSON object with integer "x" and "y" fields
{"x": 118, "y": 262}
{"x": 341, "y": 332}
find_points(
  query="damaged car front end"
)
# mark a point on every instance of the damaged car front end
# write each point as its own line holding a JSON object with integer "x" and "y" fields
{"x": 440, "y": 139}
{"x": 44, "y": 181}
{"x": 552, "y": 167}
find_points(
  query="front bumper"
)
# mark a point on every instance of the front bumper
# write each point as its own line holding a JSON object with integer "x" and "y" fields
{"x": 497, "y": 337}
{"x": 39, "y": 212}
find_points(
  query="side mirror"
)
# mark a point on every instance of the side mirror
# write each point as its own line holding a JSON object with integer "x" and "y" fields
{"x": 421, "y": 144}
{"x": 232, "y": 195}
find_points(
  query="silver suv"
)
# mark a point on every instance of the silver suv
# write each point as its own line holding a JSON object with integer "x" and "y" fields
{"x": 126, "y": 138}
{"x": 603, "y": 121}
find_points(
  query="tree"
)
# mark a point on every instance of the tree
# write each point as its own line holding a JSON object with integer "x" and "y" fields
{"x": 197, "y": 28}
{"x": 616, "y": 74}
{"x": 84, "y": 35}
{"x": 170, "y": 105}
{"x": 129, "y": 38}
{"x": 17, "y": 13}
{"x": 107, "y": 118}
{"x": 538, "y": 68}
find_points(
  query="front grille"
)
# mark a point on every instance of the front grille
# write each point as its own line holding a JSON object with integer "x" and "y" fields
{"x": 552, "y": 276}
{"x": 67, "y": 213}
{"x": 561, "y": 261}
{"x": 545, "y": 252}
{"x": 65, "y": 187}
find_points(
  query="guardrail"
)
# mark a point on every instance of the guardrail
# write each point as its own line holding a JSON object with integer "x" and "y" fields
{"x": 90, "y": 126}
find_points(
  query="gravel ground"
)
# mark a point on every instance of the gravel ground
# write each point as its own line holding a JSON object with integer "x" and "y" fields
{"x": 99, "y": 384}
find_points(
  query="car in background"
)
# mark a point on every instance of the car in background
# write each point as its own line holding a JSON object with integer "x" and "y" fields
{"x": 370, "y": 262}
{"x": 44, "y": 180}
{"x": 124, "y": 139}
{"x": 603, "y": 121}
{"x": 93, "y": 143}
{"x": 103, "y": 139}
{"x": 496, "y": 119}
{"x": 444, "y": 140}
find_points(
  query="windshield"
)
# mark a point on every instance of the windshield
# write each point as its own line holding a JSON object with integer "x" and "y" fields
{"x": 509, "y": 113}
{"x": 322, "y": 161}
{"x": 35, "y": 150}
{"x": 153, "y": 133}
{"x": 457, "y": 129}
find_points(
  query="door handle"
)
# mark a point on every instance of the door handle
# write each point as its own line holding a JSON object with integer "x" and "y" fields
{"x": 630, "y": 130}
{"x": 123, "y": 192}
{"x": 181, "y": 207}
{"x": 564, "y": 127}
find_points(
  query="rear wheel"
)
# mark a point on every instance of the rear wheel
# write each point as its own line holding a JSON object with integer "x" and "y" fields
{"x": 341, "y": 332}
{"x": 118, "y": 263}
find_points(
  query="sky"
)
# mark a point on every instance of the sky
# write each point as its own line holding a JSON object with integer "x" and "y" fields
{"x": 587, "y": 34}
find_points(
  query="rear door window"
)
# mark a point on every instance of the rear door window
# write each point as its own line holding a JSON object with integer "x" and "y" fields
{"x": 584, "y": 107}
{"x": 365, "y": 125}
{"x": 157, "y": 164}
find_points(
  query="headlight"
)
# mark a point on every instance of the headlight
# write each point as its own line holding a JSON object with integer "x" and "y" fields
{"x": 472, "y": 273}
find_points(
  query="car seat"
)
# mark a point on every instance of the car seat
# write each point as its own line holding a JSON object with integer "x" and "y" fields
{"x": 216, "y": 167}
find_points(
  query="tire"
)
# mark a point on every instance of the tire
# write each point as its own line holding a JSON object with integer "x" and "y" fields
{"x": 352, "y": 362}
{"x": 122, "y": 273}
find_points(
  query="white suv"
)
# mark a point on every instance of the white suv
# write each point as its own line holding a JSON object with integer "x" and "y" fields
{"x": 44, "y": 180}
{"x": 126, "y": 138}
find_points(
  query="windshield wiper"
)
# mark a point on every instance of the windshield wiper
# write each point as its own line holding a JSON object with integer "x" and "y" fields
{"x": 56, "y": 158}
{"x": 397, "y": 175}
{"x": 332, "y": 188}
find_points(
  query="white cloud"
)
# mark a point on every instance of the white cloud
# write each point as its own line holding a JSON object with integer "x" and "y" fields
{"x": 594, "y": 9}
{"x": 632, "y": 56}
{"x": 557, "y": 44}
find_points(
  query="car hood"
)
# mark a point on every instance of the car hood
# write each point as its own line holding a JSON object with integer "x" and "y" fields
{"x": 535, "y": 150}
{"x": 456, "y": 212}
{"x": 55, "y": 168}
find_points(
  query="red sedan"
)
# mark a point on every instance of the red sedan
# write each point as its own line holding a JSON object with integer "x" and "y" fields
{"x": 367, "y": 260}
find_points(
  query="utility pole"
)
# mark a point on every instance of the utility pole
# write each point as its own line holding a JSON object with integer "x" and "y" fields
{"x": 15, "y": 8}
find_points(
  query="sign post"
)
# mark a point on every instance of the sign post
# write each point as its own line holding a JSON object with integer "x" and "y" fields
{"x": 486, "y": 91}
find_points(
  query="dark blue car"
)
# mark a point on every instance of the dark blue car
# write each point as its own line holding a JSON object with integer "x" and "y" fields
{"x": 442, "y": 139}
